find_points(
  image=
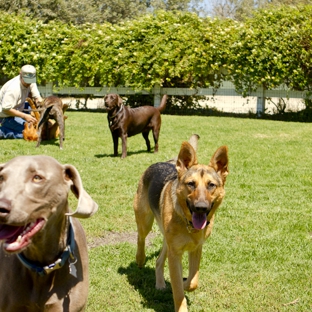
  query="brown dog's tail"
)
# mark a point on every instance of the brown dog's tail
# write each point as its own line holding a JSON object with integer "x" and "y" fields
{"x": 45, "y": 115}
{"x": 163, "y": 103}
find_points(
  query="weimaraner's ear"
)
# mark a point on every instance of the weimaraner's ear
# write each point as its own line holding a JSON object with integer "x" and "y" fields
{"x": 86, "y": 205}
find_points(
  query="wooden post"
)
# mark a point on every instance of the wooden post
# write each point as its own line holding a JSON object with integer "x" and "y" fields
{"x": 261, "y": 103}
{"x": 157, "y": 95}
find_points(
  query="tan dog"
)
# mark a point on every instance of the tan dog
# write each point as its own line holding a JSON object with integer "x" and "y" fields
{"x": 43, "y": 256}
{"x": 183, "y": 198}
{"x": 125, "y": 122}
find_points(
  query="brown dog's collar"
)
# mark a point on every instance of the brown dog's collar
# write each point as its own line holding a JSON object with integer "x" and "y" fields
{"x": 120, "y": 109}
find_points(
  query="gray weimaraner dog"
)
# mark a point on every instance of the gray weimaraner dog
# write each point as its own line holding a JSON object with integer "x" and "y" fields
{"x": 43, "y": 255}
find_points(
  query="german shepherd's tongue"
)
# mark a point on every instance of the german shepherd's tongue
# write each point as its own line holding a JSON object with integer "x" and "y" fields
{"x": 199, "y": 220}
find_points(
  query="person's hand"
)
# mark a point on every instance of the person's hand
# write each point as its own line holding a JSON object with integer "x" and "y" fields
{"x": 39, "y": 101}
{"x": 30, "y": 119}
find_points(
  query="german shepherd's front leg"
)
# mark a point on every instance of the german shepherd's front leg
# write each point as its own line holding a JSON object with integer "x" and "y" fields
{"x": 191, "y": 282}
{"x": 176, "y": 278}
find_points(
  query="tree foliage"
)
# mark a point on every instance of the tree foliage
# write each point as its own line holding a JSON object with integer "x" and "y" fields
{"x": 240, "y": 9}
{"x": 93, "y": 11}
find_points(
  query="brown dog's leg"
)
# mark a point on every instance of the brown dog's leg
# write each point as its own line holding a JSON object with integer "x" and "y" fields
{"x": 160, "y": 265}
{"x": 115, "y": 142}
{"x": 147, "y": 141}
{"x": 155, "y": 136}
{"x": 39, "y": 135}
{"x": 61, "y": 123}
{"x": 124, "y": 145}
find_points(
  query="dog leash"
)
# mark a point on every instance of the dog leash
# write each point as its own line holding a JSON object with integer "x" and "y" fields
{"x": 68, "y": 254}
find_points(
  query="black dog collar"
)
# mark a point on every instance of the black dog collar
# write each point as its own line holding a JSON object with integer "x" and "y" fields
{"x": 60, "y": 262}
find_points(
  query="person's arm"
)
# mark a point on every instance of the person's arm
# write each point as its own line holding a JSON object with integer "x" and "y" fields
{"x": 35, "y": 93}
{"x": 15, "y": 113}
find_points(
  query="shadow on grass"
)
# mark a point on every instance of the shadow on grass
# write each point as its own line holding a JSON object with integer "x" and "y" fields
{"x": 119, "y": 155}
{"x": 55, "y": 142}
{"x": 143, "y": 280}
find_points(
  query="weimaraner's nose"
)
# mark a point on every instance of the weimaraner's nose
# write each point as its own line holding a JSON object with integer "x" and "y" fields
{"x": 5, "y": 207}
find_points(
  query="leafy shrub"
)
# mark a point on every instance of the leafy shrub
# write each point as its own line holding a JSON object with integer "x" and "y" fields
{"x": 170, "y": 49}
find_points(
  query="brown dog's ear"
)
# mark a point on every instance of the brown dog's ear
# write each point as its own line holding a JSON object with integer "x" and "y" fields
{"x": 220, "y": 162}
{"x": 119, "y": 100}
{"x": 86, "y": 206}
{"x": 186, "y": 158}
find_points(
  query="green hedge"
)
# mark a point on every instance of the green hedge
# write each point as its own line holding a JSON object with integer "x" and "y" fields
{"x": 273, "y": 48}
{"x": 173, "y": 49}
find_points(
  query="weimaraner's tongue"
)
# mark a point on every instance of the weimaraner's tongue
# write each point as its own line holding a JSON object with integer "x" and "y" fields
{"x": 9, "y": 231}
{"x": 18, "y": 237}
{"x": 199, "y": 220}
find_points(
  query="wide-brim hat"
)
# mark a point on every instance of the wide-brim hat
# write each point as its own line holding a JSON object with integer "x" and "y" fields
{"x": 28, "y": 73}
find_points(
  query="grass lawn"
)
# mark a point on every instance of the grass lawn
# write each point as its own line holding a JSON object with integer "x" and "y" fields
{"x": 259, "y": 257}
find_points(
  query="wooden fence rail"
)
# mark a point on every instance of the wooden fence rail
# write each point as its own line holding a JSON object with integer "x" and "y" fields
{"x": 226, "y": 89}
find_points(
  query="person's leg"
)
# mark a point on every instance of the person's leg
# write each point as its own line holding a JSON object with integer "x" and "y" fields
{"x": 12, "y": 128}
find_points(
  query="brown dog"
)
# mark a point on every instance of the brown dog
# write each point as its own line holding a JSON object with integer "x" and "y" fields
{"x": 183, "y": 198}
{"x": 125, "y": 122}
{"x": 52, "y": 108}
{"x": 43, "y": 256}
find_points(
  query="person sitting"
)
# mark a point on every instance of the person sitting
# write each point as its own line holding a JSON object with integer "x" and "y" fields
{"x": 13, "y": 94}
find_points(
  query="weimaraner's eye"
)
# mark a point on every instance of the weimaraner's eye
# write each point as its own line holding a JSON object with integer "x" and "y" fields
{"x": 37, "y": 178}
{"x": 1, "y": 178}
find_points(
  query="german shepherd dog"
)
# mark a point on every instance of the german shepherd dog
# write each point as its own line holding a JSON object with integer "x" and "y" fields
{"x": 183, "y": 198}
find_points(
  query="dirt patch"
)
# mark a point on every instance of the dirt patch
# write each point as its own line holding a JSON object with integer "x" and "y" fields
{"x": 114, "y": 238}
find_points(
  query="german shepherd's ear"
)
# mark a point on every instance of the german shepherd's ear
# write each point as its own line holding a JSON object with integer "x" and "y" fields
{"x": 187, "y": 157}
{"x": 220, "y": 161}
